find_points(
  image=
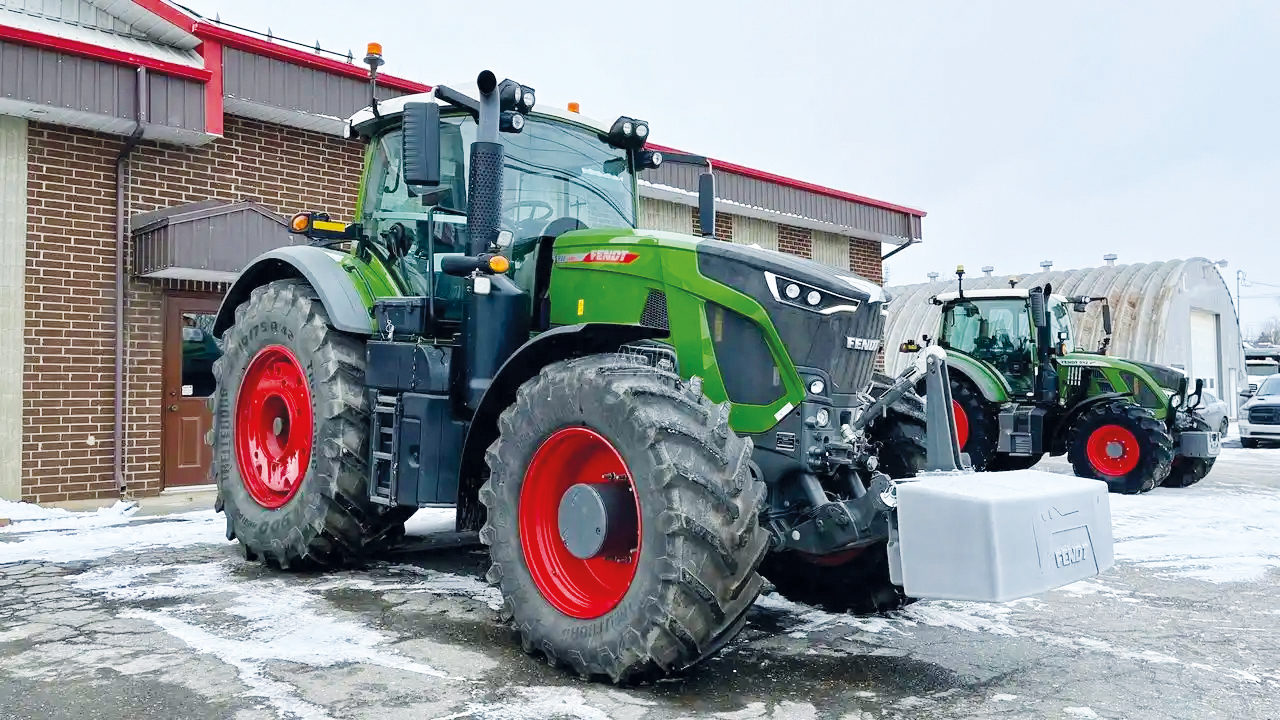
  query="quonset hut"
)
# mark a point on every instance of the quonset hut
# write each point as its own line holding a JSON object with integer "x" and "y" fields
{"x": 1177, "y": 313}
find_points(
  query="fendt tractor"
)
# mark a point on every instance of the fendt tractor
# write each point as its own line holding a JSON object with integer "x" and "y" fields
{"x": 1022, "y": 388}
{"x": 638, "y": 424}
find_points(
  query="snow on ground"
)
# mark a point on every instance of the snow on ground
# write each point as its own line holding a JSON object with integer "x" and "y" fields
{"x": 1218, "y": 533}
{"x": 249, "y": 623}
{"x": 29, "y": 516}
{"x": 90, "y": 536}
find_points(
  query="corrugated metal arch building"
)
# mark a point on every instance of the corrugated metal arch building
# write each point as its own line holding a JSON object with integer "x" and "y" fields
{"x": 1177, "y": 313}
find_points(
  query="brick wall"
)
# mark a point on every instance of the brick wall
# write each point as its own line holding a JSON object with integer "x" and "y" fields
{"x": 70, "y": 331}
{"x": 864, "y": 259}
{"x": 795, "y": 240}
{"x": 724, "y": 225}
{"x": 68, "y": 366}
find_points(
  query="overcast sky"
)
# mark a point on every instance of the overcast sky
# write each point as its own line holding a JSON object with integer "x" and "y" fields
{"x": 1027, "y": 131}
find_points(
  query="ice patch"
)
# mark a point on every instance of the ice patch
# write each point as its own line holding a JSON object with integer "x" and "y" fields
{"x": 1218, "y": 533}
{"x": 973, "y": 617}
{"x": 1003, "y": 697}
{"x": 1090, "y": 587}
{"x": 534, "y": 703}
{"x": 248, "y": 624}
{"x": 98, "y": 535}
{"x": 1083, "y": 712}
{"x": 432, "y": 582}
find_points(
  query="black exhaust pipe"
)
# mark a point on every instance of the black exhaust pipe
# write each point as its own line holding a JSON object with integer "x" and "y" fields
{"x": 484, "y": 192}
{"x": 495, "y": 320}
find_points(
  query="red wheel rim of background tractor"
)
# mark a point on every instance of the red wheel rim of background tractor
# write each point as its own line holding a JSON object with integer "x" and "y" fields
{"x": 1102, "y": 461}
{"x": 582, "y": 589}
{"x": 274, "y": 423}
{"x": 962, "y": 424}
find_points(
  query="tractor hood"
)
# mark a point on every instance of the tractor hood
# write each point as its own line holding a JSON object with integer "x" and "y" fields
{"x": 1166, "y": 377}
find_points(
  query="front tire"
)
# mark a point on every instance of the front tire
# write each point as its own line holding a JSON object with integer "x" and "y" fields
{"x": 289, "y": 435}
{"x": 679, "y": 585}
{"x": 1123, "y": 445}
{"x": 1187, "y": 471}
{"x": 976, "y": 425}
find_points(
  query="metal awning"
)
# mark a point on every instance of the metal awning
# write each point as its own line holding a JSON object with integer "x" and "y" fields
{"x": 208, "y": 241}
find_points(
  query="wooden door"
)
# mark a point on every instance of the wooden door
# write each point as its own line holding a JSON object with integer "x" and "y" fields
{"x": 189, "y": 352}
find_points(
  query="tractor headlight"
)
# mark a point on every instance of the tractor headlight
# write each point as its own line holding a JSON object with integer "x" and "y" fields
{"x": 642, "y": 130}
{"x": 527, "y": 100}
{"x": 820, "y": 300}
{"x": 817, "y": 386}
{"x": 822, "y": 417}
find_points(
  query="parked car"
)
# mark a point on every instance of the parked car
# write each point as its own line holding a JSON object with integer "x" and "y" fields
{"x": 1260, "y": 416}
{"x": 1214, "y": 411}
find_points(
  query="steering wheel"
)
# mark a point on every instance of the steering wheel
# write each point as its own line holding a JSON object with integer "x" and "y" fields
{"x": 529, "y": 203}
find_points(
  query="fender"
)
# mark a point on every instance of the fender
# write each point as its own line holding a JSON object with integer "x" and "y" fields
{"x": 321, "y": 269}
{"x": 991, "y": 384}
{"x": 554, "y": 345}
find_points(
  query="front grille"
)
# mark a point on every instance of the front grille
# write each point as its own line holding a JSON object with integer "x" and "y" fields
{"x": 846, "y": 345}
{"x": 1265, "y": 416}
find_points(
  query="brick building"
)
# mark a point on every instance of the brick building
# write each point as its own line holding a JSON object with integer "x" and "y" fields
{"x": 120, "y": 118}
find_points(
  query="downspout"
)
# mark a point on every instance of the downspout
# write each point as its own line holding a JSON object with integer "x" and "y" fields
{"x": 122, "y": 190}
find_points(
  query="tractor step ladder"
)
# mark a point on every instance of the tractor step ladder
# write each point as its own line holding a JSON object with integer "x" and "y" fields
{"x": 383, "y": 447}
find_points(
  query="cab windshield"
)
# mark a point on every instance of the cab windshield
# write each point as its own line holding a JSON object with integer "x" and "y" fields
{"x": 555, "y": 173}
{"x": 995, "y": 331}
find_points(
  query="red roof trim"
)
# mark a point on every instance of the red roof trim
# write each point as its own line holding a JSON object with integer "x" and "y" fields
{"x": 167, "y": 12}
{"x": 797, "y": 184}
{"x": 76, "y": 47}
{"x": 298, "y": 57}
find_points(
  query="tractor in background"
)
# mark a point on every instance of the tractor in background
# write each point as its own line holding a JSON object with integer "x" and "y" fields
{"x": 1022, "y": 389}
{"x": 640, "y": 425}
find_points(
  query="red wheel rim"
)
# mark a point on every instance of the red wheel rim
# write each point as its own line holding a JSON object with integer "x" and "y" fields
{"x": 962, "y": 423}
{"x": 579, "y": 588}
{"x": 1113, "y": 450}
{"x": 273, "y": 427}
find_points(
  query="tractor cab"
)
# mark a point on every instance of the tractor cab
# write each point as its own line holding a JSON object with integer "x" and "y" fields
{"x": 562, "y": 171}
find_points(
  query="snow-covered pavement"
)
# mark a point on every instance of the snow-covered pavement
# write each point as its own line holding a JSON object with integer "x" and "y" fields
{"x": 108, "y": 614}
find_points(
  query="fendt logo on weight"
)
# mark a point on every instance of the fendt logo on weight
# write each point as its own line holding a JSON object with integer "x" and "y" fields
{"x": 1070, "y": 555}
{"x": 869, "y": 344}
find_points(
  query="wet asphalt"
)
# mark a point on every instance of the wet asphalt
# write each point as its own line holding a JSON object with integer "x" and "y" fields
{"x": 198, "y": 632}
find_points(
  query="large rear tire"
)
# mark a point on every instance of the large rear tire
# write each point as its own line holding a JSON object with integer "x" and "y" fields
{"x": 1187, "y": 471}
{"x": 1123, "y": 445}
{"x": 289, "y": 437}
{"x": 679, "y": 587}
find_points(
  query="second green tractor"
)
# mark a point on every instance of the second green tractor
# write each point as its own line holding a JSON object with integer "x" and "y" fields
{"x": 1021, "y": 389}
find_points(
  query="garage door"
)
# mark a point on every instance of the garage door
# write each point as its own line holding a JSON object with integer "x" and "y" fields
{"x": 1204, "y": 349}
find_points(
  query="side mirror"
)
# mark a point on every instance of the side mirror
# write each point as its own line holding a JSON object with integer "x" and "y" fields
{"x": 1106, "y": 318}
{"x": 707, "y": 204}
{"x": 420, "y": 144}
{"x": 1039, "y": 317}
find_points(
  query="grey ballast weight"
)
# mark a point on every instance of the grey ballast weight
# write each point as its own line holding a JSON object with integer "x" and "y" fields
{"x": 993, "y": 536}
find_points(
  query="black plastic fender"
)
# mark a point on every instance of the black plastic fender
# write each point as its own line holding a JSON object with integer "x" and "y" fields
{"x": 320, "y": 268}
{"x": 557, "y": 344}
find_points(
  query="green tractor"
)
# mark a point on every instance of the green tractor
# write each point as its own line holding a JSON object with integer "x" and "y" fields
{"x": 1021, "y": 388}
{"x": 637, "y": 424}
